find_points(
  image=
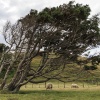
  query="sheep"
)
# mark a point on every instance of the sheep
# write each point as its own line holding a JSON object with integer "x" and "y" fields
{"x": 74, "y": 86}
{"x": 49, "y": 86}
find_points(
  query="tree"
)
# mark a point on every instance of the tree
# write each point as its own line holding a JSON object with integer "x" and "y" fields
{"x": 3, "y": 47}
{"x": 66, "y": 31}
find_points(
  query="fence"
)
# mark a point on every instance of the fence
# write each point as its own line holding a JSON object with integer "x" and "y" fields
{"x": 62, "y": 85}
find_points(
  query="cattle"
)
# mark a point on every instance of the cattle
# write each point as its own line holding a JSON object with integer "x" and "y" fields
{"x": 74, "y": 86}
{"x": 49, "y": 86}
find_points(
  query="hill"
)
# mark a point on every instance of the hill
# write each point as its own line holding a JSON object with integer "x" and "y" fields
{"x": 74, "y": 72}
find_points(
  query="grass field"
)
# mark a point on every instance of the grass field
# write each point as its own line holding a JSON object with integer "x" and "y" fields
{"x": 53, "y": 95}
{"x": 60, "y": 91}
{"x": 38, "y": 92}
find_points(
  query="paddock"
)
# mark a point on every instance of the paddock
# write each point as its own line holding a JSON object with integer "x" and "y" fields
{"x": 61, "y": 86}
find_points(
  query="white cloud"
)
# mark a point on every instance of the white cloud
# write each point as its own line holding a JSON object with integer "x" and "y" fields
{"x": 14, "y": 9}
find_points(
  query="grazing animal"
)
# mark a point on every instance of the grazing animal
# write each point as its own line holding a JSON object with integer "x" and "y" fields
{"x": 74, "y": 86}
{"x": 49, "y": 86}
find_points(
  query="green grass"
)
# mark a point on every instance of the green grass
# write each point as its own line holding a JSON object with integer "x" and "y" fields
{"x": 52, "y": 95}
{"x": 73, "y": 72}
{"x": 38, "y": 92}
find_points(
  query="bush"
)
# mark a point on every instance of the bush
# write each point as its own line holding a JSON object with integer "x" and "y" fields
{"x": 92, "y": 67}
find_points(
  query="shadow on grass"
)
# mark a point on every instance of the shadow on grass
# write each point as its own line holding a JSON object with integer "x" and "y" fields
{"x": 37, "y": 91}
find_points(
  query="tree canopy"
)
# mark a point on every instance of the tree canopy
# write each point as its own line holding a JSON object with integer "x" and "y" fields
{"x": 69, "y": 26}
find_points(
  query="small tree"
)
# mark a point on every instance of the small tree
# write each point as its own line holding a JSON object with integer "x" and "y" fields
{"x": 66, "y": 31}
{"x": 3, "y": 47}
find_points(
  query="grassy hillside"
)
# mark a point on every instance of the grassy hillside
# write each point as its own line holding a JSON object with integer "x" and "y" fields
{"x": 74, "y": 72}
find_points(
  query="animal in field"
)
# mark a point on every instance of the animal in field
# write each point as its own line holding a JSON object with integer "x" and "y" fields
{"x": 49, "y": 86}
{"x": 74, "y": 86}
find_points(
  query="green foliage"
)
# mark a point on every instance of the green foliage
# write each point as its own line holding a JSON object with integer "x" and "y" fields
{"x": 80, "y": 31}
{"x": 95, "y": 60}
{"x": 93, "y": 67}
{"x": 11, "y": 73}
{"x": 74, "y": 20}
{"x": 3, "y": 47}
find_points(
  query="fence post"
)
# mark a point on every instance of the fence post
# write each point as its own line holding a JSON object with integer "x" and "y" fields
{"x": 45, "y": 84}
{"x": 97, "y": 83}
{"x": 25, "y": 86}
{"x": 32, "y": 85}
{"x": 64, "y": 84}
{"x": 58, "y": 84}
{"x": 83, "y": 84}
{"x": 39, "y": 85}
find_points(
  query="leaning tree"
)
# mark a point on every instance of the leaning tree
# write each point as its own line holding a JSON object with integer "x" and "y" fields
{"x": 65, "y": 31}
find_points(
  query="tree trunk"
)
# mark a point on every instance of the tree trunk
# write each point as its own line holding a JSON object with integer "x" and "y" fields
{"x": 1, "y": 68}
{"x": 5, "y": 78}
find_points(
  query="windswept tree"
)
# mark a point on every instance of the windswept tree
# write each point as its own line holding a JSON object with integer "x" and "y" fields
{"x": 66, "y": 31}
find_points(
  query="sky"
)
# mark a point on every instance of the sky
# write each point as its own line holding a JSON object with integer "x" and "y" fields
{"x": 12, "y": 10}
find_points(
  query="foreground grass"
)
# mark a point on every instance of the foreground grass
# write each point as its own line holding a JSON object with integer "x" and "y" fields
{"x": 53, "y": 95}
{"x": 38, "y": 92}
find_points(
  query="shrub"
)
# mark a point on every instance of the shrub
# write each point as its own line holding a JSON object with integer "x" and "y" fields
{"x": 92, "y": 67}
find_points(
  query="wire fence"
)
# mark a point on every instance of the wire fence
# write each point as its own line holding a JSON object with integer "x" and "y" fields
{"x": 63, "y": 85}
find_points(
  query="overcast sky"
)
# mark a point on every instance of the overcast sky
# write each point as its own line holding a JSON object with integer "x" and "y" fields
{"x": 15, "y": 9}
